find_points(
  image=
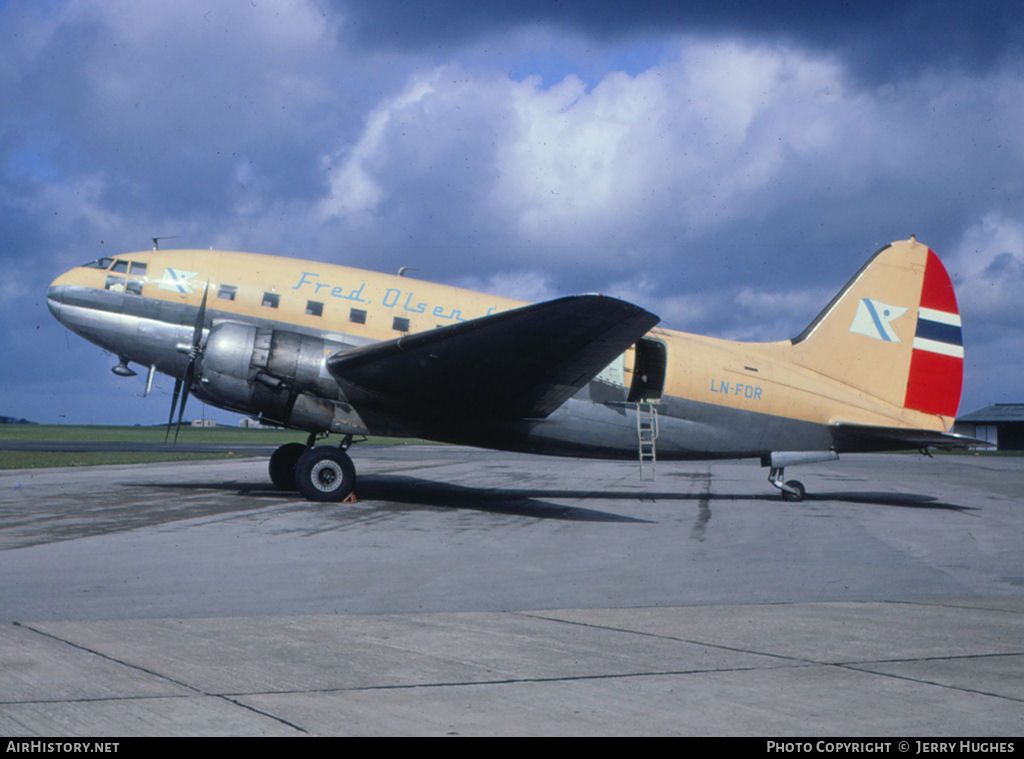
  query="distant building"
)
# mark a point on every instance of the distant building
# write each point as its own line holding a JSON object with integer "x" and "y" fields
{"x": 252, "y": 423}
{"x": 204, "y": 422}
{"x": 1001, "y": 424}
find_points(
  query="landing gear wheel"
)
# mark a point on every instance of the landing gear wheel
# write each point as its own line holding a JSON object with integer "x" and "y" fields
{"x": 282, "y": 465}
{"x": 325, "y": 473}
{"x": 795, "y": 492}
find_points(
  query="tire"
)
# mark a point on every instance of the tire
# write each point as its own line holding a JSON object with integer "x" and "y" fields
{"x": 282, "y": 465}
{"x": 325, "y": 473}
{"x": 799, "y": 493}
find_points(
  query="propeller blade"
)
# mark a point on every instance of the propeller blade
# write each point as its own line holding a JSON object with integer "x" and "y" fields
{"x": 197, "y": 331}
{"x": 183, "y": 385}
{"x": 186, "y": 384}
{"x": 174, "y": 402}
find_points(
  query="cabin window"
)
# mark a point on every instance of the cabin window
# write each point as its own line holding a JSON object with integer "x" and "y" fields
{"x": 133, "y": 287}
{"x": 271, "y": 300}
{"x": 400, "y": 323}
{"x": 115, "y": 283}
{"x": 314, "y": 308}
{"x": 138, "y": 269}
{"x": 121, "y": 267}
{"x": 227, "y": 292}
{"x": 100, "y": 263}
{"x": 357, "y": 316}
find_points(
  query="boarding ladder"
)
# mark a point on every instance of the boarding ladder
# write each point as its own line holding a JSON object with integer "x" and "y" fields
{"x": 647, "y": 434}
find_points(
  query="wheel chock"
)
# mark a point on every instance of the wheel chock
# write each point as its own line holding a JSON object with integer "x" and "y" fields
{"x": 351, "y": 498}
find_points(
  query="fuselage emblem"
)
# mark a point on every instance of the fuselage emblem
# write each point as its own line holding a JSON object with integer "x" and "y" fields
{"x": 178, "y": 280}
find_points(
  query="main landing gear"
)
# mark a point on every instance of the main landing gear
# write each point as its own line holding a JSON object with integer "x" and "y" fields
{"x": 791, "y": 491}
{"x": 318, "y": 472}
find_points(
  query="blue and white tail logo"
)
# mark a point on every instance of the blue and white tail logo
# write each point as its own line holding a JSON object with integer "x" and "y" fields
{"x": 874, "y": 319}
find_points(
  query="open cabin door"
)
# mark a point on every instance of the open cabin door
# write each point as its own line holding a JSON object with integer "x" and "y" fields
{"x": 649, "y": 361}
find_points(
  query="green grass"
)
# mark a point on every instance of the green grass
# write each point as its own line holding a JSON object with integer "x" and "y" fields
{"x": 139, "y": 434}
{"x": 113, "y": 434}
{"x": 44, "y": 459}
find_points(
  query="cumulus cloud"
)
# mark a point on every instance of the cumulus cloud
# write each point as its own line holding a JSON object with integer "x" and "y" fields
{"x": 355, "y": 193}
{"x": 725, "y": 158}
{"x": 525, "y": 285}
{"x": 988, "y": 269}
{"x": 613, "y": 175}
{"x": 678, "y": 147}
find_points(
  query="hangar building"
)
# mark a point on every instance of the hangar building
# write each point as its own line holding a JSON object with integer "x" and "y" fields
{"x": 1001, "y": 424}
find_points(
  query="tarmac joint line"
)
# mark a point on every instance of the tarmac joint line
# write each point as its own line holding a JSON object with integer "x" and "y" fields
{"x": 153, "y": 673}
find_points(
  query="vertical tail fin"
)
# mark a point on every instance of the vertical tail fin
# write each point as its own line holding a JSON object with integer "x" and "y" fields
{"x": 893, "y": 332}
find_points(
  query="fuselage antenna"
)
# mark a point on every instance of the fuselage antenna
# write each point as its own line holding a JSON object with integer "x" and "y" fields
{"x": 156, "y": 240}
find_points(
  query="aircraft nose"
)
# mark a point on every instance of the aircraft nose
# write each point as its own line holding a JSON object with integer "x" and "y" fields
{"x": 55, "y": 299}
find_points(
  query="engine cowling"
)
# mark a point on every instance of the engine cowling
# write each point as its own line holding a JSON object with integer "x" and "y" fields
{"x": 277, "y": 374}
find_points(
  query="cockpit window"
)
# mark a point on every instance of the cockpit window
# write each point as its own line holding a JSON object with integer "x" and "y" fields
{"x": 132, "y": 284}
{"x": 99, "y": 263}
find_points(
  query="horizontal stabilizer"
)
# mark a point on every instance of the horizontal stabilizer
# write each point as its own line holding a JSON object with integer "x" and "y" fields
{"x": 862, "y": 437}
{"x": 516, "y": 364}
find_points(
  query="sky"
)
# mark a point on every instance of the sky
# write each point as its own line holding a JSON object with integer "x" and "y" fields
{"x": 727, "y": 165}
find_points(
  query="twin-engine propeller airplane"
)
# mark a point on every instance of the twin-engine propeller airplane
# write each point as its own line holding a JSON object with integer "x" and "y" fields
{"x": 330, "y": 349}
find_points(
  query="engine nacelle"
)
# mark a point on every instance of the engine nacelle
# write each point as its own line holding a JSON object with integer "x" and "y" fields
{"x": 277, "y": 374}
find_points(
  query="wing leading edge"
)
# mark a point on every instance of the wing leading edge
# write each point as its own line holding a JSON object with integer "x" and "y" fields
{"x": 516, "y": 364}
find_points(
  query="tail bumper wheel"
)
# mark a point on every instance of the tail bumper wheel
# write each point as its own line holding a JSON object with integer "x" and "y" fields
{"x": 325, "y": 473}
{"x": 794, "y": 491}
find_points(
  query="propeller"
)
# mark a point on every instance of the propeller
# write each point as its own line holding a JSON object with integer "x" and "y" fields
{"x": 184, "y": 383}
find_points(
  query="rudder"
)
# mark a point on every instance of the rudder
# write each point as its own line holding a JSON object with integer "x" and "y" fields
{"x": 936, "y": 373}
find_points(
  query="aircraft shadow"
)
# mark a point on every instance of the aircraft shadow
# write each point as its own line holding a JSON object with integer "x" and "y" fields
{"x": 536, "y": 502}
{"x": 411, "y": 492}
{"x": 902, "y": 500}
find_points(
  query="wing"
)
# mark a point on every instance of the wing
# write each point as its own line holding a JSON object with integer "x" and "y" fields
{"x": 516, "y": 364}
{"x": 862, "y": 437}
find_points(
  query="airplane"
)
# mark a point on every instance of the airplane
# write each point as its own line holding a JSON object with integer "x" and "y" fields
{"x": 329, "y": 349}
